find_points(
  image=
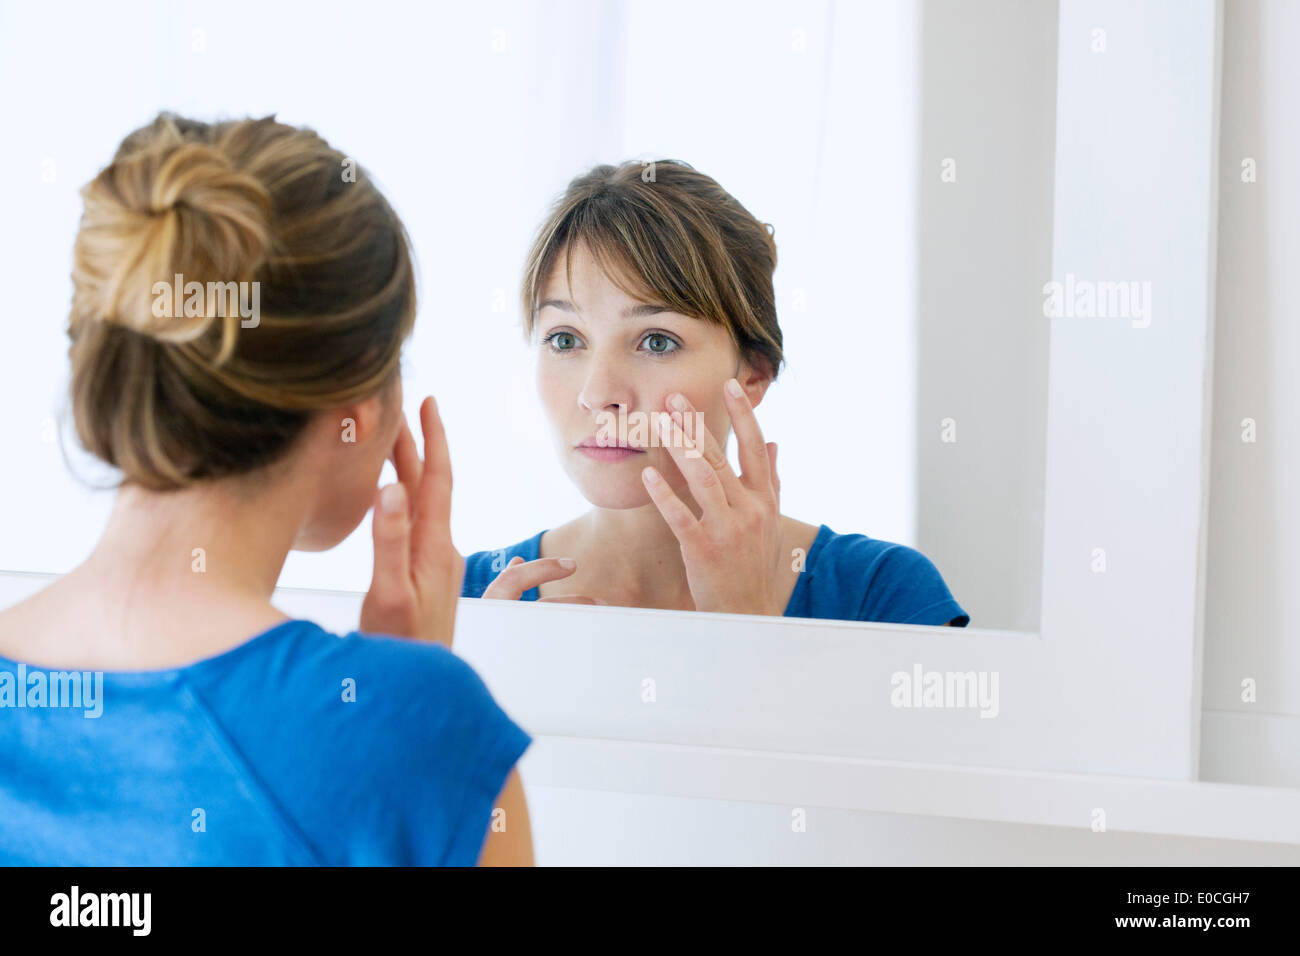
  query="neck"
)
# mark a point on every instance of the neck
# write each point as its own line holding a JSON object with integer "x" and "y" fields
{"x": 654, "y": 565}
{"x": 216, "y": 538}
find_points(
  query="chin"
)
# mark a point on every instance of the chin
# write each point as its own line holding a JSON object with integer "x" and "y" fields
{"x": 613, "y": 499}
{"x": 320, "y": 539}
{"x": 314, "y": 544}
{"x": 614, "y": 491}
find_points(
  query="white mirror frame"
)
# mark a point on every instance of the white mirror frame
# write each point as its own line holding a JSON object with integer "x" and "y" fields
{"x": 1112, "y": 683}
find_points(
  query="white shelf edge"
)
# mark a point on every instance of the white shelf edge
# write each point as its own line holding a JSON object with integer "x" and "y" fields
{"x": 1037, "y": 798}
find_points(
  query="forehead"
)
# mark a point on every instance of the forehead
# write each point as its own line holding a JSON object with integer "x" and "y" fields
{"x": 578, "y": 274}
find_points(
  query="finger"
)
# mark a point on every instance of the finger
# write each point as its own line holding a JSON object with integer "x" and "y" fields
{"x": 511, "y": 583}
{"x": 704, "y": 481}
{"x": 390, "y": 584}
{"x": 771, "y": 459}
{"x": 755, "y": 472}
{"x": 406, "y": 457}
{"x": 678, "y": 517}
{"x": 707, "y": 446}
{"x": 433, "y": 496}
{"x": 572, "y": 599}
{"x": 516, "y": 560}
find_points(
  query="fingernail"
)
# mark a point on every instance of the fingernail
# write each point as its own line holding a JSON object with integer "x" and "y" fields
{"x": 649, "y": 475}
{"x": 393, "y": 499}
{"x": 734, "y": 388}
{"x": 678, "y": 401}
{"x": 568, "y": 563}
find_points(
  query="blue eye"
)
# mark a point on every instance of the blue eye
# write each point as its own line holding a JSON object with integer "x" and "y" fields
{"x": 660, "y": 344}
{"x": 561, "y": 341}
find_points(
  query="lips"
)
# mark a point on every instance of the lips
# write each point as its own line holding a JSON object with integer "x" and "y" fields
{"x": 609, "y": 454}
{"x": 593, "y": 442}
{"x": 594, "y": 450}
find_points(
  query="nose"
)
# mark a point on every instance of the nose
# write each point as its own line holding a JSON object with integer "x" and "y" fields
{"x": 605, "y": 388}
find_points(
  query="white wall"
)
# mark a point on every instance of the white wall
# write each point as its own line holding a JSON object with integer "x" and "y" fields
{"x": 988, "y": 103}
{"x": 1254, "y": 542}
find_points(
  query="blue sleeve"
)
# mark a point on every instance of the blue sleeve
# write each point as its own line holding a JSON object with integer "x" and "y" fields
{"x": 482, "y": 567}
{"x": 452, "y": 750}
{"x": 906, "y": 588}
{"x": 380, "y": 751}
{"x": 493, "y": 744}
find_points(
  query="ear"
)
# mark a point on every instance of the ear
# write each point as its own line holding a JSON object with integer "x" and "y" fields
{"x": 754, "y": 379}
{"x": 359, "y": 422}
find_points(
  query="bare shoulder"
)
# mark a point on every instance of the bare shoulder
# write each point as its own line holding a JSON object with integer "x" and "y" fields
{"x": 562, "y": 540}
{"x": 22, "y": 625}
{"x": 75, "y": 623}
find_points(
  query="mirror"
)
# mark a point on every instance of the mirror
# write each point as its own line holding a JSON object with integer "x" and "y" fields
{"x": 901, "y": 152}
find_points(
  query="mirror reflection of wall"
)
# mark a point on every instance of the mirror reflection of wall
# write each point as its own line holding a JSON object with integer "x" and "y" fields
{"x": 988, "y": 124}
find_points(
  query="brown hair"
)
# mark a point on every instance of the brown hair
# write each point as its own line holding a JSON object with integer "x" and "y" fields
{"x": 174, "y": 399}
{"x": 680, "y": 237}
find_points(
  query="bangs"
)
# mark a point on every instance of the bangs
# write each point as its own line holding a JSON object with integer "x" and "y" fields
{"x": 641, "y": 246}
{"x": 665, "y": 234}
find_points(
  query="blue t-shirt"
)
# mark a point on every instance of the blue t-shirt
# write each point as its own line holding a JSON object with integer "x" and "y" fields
{"x": 846, "y": 577}
{"x": 258, "y": 757}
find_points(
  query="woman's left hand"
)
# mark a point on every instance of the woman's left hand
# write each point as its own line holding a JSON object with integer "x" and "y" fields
{"x": 417, "y": 570}
{"x": 732, "y": 551}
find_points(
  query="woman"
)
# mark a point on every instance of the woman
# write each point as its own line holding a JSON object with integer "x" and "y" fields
{"x": 649, "y": 294}
{"x": 240, "y": 303}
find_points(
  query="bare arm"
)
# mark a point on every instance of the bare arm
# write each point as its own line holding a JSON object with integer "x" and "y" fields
{"x": 512, "y": 845}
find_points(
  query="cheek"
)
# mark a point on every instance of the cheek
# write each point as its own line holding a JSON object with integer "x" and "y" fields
{"x": 355, "y": 490}
{"x": 555, "y": 390}
{"x": 706, "y": 401}
{"x": 353, "y": 493}
{"x": 717, "y": 421}
{"x": 544, "y": 380}
{"x": 346, "y": 498}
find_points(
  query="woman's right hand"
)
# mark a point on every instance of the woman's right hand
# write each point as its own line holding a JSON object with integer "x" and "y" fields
{"x": 519, "y": 576}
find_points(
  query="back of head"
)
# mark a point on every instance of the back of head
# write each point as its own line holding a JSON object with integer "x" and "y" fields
{"x": 229, "y": 280}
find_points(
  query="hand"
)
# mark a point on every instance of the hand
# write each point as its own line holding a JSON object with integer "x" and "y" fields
{"x": 418, "y": 571}
{"x": 519, "y": 576}
{"x": 732, "y": 552}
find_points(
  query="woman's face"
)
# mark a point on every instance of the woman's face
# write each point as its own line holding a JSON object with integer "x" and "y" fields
{"x": 600, "y": 350}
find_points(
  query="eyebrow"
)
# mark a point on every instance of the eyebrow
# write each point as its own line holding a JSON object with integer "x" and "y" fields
{"x": 631, "y": 312}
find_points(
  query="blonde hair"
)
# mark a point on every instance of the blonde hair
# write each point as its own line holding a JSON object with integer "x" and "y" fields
{"x": 674, "y": 235}
{"x": 175, "y": 399}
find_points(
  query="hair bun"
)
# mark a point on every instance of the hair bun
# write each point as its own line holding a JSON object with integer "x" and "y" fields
{"x": 159, "y": 219}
